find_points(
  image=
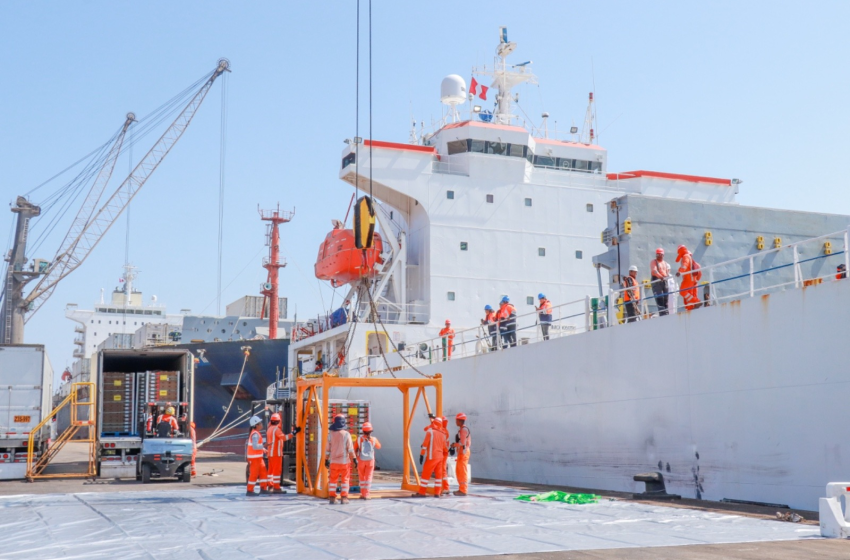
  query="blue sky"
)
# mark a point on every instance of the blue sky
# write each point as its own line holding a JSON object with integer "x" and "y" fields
{"x": 752, "y": 90}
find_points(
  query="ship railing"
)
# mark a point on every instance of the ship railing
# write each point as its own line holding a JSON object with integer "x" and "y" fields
{"x": 387, "y": 313}
{"x": 558, "y": 177}
{"x": 796, "y": 265}
{"x": 450, "y": 166}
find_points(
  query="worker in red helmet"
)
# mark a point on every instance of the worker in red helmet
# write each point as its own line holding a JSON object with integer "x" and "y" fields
{"x": 339, "y": 455}
{"x": 444, "y": 422}
{"x": 364, "y": 449}
{"x": 463, "y": 447}
{"x": 434, "y": 449}
{"x": 690, "y": 274}
{"x": 448, "y": 335}
{"x": 660, "y": 271}
{"x": 276, "y": 439}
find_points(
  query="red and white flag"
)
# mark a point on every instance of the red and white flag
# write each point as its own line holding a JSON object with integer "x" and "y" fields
{"x": 473, "y": 89}
{"x": 473, "y": 86}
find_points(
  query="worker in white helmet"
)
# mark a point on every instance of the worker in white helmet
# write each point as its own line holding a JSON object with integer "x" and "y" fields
{"x": 255, "y": 450}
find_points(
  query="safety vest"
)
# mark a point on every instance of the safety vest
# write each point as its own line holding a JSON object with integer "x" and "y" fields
{"x": 507, "y": 312}
{"x": 545, "y": 311}
{"x": 464, "y": 440}
{"x": 448, "y": 332}
{"x": 251, "y": 452}
{"x": 366, "y": 448}
{"x": 631, "y": 293}
{"x": 276, "y": 439}
{"x": 435, "y": 444}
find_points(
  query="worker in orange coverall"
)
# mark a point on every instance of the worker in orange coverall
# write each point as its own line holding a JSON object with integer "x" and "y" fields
{"x": 255, "y": 451}
{"x": 448, "y": 334}
{"x": 689, "y": 281}
{"x": 339, "y": 456}
{"x": 364, "y": 449}
{"x": 276, "y": 439}
{"x": 445, "y": 487}
{"x": 463, "y": 447}
{"x": 434, "y": 449}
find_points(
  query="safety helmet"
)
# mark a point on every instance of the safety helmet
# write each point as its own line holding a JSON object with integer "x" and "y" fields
{"x": 541, "y": 296}
{"x": 506, "y": 299}
{"x": 254, "y": 421}
{"x": 448, "y": 321}
{"x": 339, "y": 417}
{"x": 460, "y": 416}
{"x": 841, "y": 267}
{"x": 633, "y": 268}
{"x": 275, "y": 418}
{"x": 682, "y": 249}
{"x": 170, "y": 410}
{"x": 659, "y": 251}
{"x": 444, "y": 421}
{"x": 367, "y": 427}
{"x": 488, "y": 308}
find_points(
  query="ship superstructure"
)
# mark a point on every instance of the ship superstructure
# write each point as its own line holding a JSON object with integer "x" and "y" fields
{"x": 477, "y": 210}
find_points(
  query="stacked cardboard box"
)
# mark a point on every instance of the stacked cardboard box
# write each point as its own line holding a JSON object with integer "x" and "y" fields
{"x": 166, "y": 385}
{"x": 117, "y": 403}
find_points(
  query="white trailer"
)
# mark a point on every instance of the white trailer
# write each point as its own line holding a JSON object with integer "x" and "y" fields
{"x": 26, "y": 386}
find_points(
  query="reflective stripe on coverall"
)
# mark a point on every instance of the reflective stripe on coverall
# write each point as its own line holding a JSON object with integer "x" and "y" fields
{"x": 689, "y": 283}
{"x": 365, "y": 450}
{"x": 434, "y": 448}
{"x": 276, "y": 440}
{"x": 340, "y": 451}
{"x": 254, "y": 453}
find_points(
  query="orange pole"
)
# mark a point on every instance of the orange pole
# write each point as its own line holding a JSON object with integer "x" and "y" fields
{"x": 405, "y": 473}
{"x": 325, "y": 475}
{"x": 299, "y": 439}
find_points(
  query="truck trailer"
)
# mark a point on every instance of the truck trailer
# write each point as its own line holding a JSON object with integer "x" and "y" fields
{"x": 26, "y": 381}
{"x": 135, "y": 387}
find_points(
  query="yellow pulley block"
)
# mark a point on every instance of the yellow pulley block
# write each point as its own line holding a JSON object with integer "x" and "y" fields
{"x": 827, "y": 247}
{"x": 708, "y": 240}
{"x": 364, "y": 223}
{"x": 760, "y": 242}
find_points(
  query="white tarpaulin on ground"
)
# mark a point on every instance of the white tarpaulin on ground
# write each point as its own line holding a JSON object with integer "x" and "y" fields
{"x": 221, "y": 523}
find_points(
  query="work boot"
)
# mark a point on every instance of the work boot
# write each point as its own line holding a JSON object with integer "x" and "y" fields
{"x": 418, "y": 495}
{"x": 278, "y": 491}
{"x": 332, "y": 500}
{"x": 438, "y": 496}
{"x": 344, "y": 500}
{"x": 459, "y": 493}
{"x": 265, "y": 492}
{"x": 251, "y": 494}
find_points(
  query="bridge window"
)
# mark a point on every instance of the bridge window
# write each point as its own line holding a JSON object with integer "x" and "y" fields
{"x": 497, "y": 148}
{"x": 457, "y": 146}
{"x": 348, "y": 160}
{"x": 517, "y": 150}
{"x": 477, "y": 146}
{"x": 544, "y": 161}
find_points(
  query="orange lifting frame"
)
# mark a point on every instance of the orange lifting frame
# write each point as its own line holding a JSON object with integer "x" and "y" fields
{"x": 316, "y": 392}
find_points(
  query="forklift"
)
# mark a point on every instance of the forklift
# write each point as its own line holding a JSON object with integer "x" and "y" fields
{"x": 164, "y": 454}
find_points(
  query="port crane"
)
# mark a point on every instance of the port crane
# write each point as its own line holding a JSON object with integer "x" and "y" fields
{"x": 90, "y": 224}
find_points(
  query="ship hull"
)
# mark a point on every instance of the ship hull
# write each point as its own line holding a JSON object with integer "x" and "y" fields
{"x": 744, "y": 401}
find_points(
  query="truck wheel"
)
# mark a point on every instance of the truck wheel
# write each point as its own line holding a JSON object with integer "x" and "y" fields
{"x": 146, "y": 473}
{"x": 187, "y": 475}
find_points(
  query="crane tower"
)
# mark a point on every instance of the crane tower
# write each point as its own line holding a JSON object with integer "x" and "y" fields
{"x": 273, "y": 264}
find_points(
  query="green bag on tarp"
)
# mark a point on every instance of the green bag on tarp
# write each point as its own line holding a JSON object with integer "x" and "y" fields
{"x": 558, "y": 496}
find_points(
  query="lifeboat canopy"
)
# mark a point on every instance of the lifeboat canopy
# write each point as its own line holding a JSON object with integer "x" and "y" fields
{"x": 340, "y": 262}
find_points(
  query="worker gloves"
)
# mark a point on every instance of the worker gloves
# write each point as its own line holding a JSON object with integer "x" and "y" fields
{"x": 296, "y": 430}
{"x": 354, "y": 460}
{"x": 327, "y": 463}
{"x": 421, "y": 459}
{"x": 452, "y": 451}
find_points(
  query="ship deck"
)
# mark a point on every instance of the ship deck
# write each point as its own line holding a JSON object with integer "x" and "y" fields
{"x": 212, "y": 518}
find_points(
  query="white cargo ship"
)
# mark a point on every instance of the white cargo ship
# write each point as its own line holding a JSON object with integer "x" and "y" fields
{"x": 741, "y": 399}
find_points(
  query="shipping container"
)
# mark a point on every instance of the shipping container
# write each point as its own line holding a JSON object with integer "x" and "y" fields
{"x": 26, "y": 380}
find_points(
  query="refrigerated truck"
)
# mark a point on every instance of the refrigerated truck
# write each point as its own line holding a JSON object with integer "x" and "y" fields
{"x": 132, "y": 384}
{"x": 26, "y": 383}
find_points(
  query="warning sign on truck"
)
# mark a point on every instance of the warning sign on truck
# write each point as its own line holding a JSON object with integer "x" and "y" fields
{"x": 23, "y": 419}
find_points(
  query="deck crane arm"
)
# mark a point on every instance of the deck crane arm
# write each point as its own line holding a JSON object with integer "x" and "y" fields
{"x": 94, "y": 229}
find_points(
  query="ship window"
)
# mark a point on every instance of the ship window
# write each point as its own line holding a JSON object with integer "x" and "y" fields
{"x": 157, "y": 312}
{"x": 477, "y": 146}
{"x": 92, "y": 321}
{"x": 565, "y": 163}
{"x": 578, "y": 254}
{"x": 541, "y": 251}
{"x": 244, "y": 323}
{"x": 450, "y": 195}
{"x": 528, "y": 202}
{"x": 222, "y": 330}
{"x": 348, "y": 160}
{"x": 456, "y": 147}
{"x": 590, "y": 207}
{"x": 517, "y": 150}
{"x": 464, "y": 246}
{"x": 544, "y": 161}
{"x": 595, "y": 166}
{"x": 529, "y": 300}
{"x": 580, "y": 165}
{"x": 497, "y": 148}
{"x": 451, "y": 296}
{"x": 490, "y": 198}
{"x": 529, "y": 155}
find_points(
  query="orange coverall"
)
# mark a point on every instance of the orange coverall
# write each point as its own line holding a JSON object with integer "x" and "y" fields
{"x": 434, "y": 449}
{"x": 366, "y": 462}
{"x": 463, "y": 451}
{"x": 448, "y": 335}
{"x": 258, "y": 473}
{"x": 276, "y": 440}
{"x": 340, "y": 451}
{"x": 689, "y": 283}
{"x": 445, "y": 485}
{"x": 194, "y": 446}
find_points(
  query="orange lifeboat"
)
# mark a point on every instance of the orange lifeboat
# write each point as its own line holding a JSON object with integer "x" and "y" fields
{"x": 340, "y": 262}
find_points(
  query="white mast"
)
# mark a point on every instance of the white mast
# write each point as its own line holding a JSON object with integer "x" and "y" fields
{"x": 504, "y": 80}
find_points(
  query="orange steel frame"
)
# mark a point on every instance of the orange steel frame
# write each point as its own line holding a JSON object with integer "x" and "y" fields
{"x": 316, "y": 392}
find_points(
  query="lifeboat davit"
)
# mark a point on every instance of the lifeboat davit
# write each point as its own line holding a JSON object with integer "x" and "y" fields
{"x": 340, "y": 262}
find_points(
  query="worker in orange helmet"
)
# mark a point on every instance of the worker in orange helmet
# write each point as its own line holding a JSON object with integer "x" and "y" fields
{"x": 448, "y": 334}
{"x": 434, "y": 449}
{"x": 364, "y": 449}
{"x": 444, "y": 423}
{"x": 166, "y": 423}
{"x": 463, "y": 447}
{"x": 338, "y": 458}
{"x": 631, "y": 295}
{"x": 276, "y": 439}
{"x": 255, "y": 451}
{"x": 841, "y": 272}
{"x": 689, "y": 271}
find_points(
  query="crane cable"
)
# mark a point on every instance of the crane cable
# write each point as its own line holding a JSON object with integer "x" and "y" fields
{"x": 222, "y": 157}
{"x": 235, "y": 390}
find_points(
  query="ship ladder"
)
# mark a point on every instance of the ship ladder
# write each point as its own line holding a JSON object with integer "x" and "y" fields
{"x": 81, "y": 401}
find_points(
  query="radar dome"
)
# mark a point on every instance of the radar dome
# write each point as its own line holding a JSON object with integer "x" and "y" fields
{"x": 453, "y": 90}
